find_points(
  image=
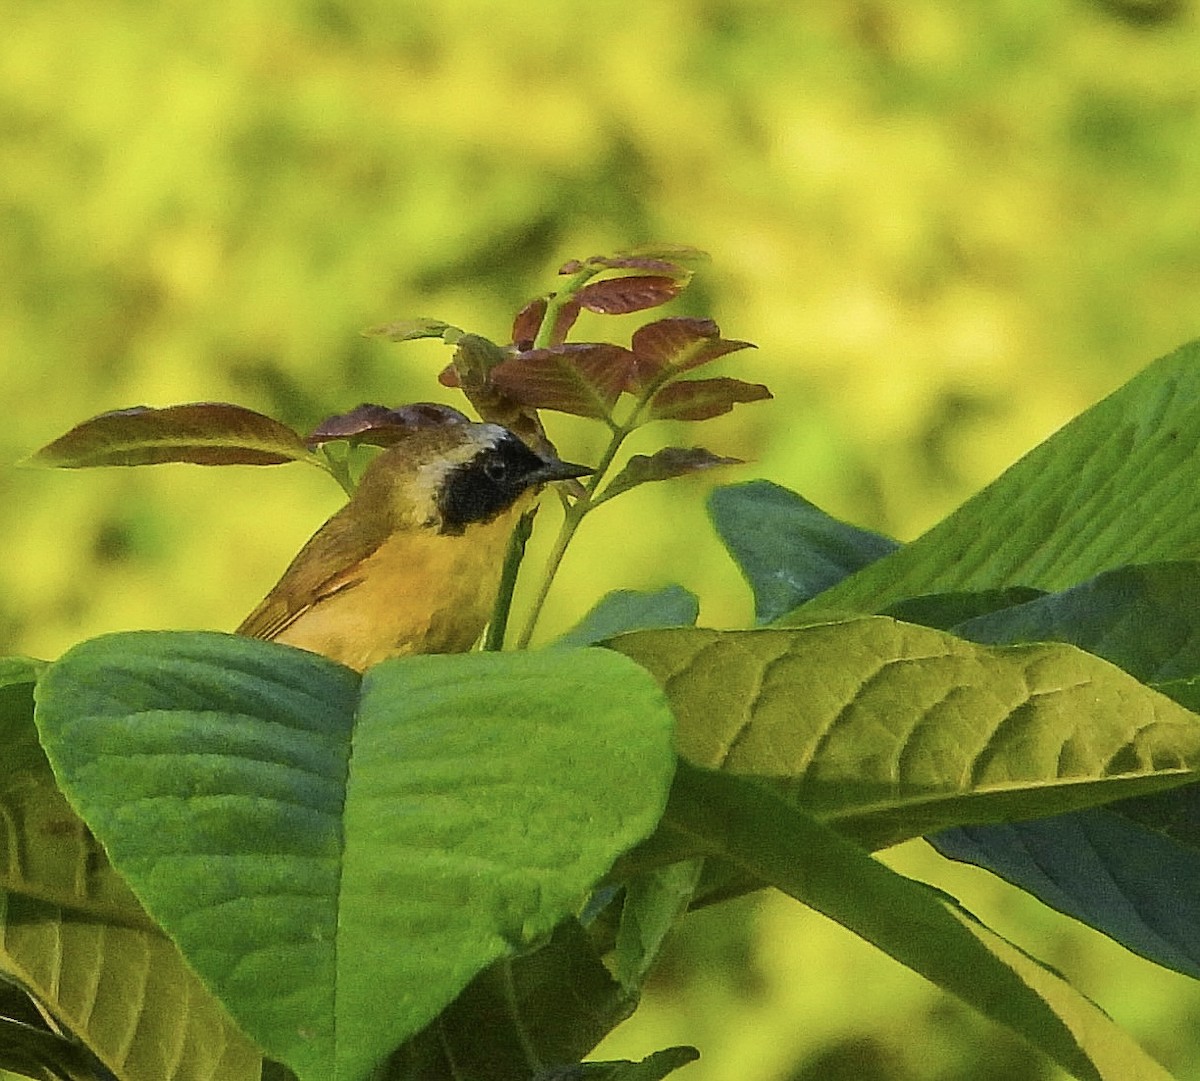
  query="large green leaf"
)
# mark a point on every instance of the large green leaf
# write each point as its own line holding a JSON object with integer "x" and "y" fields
{"x": 890, "y": 730}
{"x": 1145, "y": 619}
{"x": 770, "y": 840}
{"x": 788, "y": 548}
{"x": 1115, "y": 486}
{"x": 1111, "y": 866}
{"x": 77, "y": 940}
{"x": 338, "y": 857}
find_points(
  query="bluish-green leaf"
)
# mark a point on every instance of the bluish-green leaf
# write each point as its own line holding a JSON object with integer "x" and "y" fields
{"x": 788, "y": 549}
{"x": 338, "y": 857}
{"x": 1145, "y": 619}
{"x": 1108, "y": 866}
{"x": 631, "y": 610}
{"x": 1135, "y": 884}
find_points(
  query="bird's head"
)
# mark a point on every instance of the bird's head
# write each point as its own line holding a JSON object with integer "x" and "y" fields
{"x": 452, "y": 476}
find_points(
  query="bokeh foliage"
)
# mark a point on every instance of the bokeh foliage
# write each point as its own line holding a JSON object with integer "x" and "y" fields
{"x": 948, "y": 228}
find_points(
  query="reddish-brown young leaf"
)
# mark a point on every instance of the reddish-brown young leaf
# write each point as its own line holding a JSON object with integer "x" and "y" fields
{"x": 584, "y": 378}
{"x": 564, "y": 320}
{"x": 407, "y": 330}
{"x": 681, "y": 343}
{"x": 700, "y": 399}
{"x": 203, "y": 433}
{"x": 473, "y": 371}
{"x": 380, "y": 426}
{"x": 630, "y": 293}
{"x": 662, "y": 465}
{"x": 572, "y": 266}
{"x": 528, "y": 321}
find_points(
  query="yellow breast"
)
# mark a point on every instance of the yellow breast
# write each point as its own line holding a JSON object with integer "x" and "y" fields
{"x": 418, "y": 592}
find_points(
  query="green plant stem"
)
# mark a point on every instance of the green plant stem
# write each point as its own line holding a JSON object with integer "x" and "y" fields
{"x": 497, "y": 626}
{"x": 572, "y": 515}
{"x": 560, "y": 300}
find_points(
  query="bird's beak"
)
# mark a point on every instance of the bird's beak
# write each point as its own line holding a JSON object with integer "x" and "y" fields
{"x": 556, "y": 469}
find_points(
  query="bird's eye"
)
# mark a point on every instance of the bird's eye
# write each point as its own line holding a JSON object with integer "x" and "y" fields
{"x": 496, "y": 470}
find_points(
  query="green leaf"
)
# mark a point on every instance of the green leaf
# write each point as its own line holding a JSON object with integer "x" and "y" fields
{"x": 29, "y": 1049}
{"x": 1107, "y": 866}
{"x": 652, "y": 1068}
{"x": 549, "y": 1005}
{"x": 946, "y": 611}
{"x": 1115, "y": 486}
{"x": 703, "y": 399}
{"x": 654, "y": 902}
{"x": 74, "y": 937}
{"x": 1144, "y": 619}
{"x": 662, "y": 465}
{"x": 338, "y": 858}
{"x": 774, "y": 842}
{"x": 203, "y": 433}
{"x": 889, "y": 730}
{"x": 789, "y": 549}
{"x": 407, "y": 330}
{"x": 630, "y": 610}
{"x": 16, "y": 670}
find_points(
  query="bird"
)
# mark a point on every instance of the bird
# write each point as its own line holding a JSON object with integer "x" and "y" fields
{"x": 412, "y": 562}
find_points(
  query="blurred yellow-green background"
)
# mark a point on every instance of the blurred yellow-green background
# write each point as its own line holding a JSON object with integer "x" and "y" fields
{"x": 948, "y": 228}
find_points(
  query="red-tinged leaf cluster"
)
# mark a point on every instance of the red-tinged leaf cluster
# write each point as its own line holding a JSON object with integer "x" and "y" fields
{"x": 583, "y": 378}
{"x": 681, "y": 344}
{"x": 701, "y": 399}
{"x": 587, "y": 378}
{"x": 663, "y": 465}
{"x": 379, "y": 426}
{"x": 630, "y": 293}
{"x": 203, "y": 433}
{"x": 529, "y": 320}
{"x": 630, "y": 281}
{"x": 473, "y": 371}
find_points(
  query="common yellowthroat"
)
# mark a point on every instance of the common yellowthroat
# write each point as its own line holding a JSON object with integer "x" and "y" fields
{"x": 411, "y": 564}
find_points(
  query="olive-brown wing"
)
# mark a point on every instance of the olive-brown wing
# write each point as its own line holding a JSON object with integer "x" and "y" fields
{"x": 328, "y": 564}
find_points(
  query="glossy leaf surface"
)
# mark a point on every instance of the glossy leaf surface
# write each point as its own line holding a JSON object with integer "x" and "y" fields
{"x": 203, "y": 433}
{"x": 338, "y": 857}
